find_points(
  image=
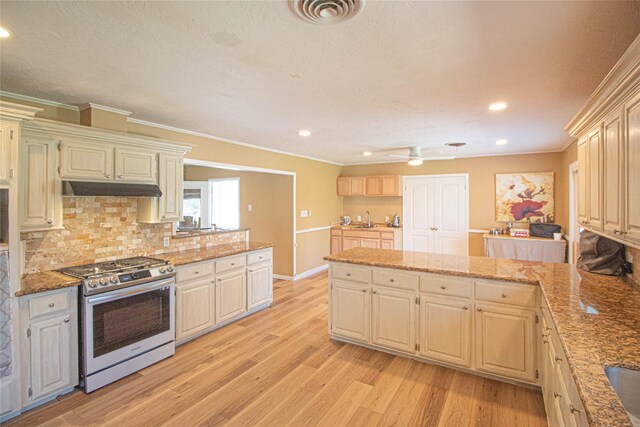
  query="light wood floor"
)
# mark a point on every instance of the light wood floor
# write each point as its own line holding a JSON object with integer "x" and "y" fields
{"x": 279, "y": 368}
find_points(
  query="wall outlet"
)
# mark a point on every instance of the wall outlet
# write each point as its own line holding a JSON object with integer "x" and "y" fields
{"x": 359, "y": 218}
{"x": 386, "y": 219}
{"x": 304, "y": 214}
{"x": 250, "y": 207}
{"x": 166, "y": 241}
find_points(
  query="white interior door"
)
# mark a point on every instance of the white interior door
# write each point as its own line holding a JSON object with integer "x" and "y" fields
{"x": 435, "y": 214}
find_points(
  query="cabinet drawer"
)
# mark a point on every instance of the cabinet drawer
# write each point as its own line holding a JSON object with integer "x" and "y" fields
{"x": 49, "y": 304}
{"x": 194, "y": 271}
{"x": 361, "y": 234}
{"x": 230, "y": 263}
{"x": 395, "y": 279}
{"x": 352, "y": 274}
{"x": 446, "y": 285}
{"x": 387, "y": 235}
{"x": 336, "y": 232}
{"x": 524, "y": 295}
{"x": 256, "y": 257}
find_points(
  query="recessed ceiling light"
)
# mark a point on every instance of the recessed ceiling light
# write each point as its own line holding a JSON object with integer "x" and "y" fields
{"x": 501, "y": 142}
{"x": 4, "y": 33}
{"x": 415, "y": 162}
{"x": 367, "y": 153}
{"x": 497, "y": 106}
{"x": 304, "y": 132}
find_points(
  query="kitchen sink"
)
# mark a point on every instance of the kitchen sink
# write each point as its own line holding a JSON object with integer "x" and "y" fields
{"x": 626, "y": 383}
{"x": 364, "y": 226}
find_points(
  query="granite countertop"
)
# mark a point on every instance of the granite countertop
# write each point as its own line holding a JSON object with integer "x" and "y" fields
{"x": 597, "y": 317}
{"x": 355, "y": 226}
{"x": 52, "y": 280}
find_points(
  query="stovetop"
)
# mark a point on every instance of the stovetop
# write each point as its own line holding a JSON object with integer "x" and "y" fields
{"x": 118, "y": 266}
{"x": 112, "y": 275}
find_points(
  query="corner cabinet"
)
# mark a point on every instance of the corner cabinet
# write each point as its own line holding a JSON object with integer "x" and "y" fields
{"x": 50, "y": 344}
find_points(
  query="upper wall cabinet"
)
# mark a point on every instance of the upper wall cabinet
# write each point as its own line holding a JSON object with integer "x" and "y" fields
{"x": 85, "y": 161}
{"x": 608, "y": 132}
{"x": 133, "y": 165}
{"x": 379, "y": 185}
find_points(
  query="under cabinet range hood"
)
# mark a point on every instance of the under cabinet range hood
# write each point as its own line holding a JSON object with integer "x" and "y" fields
{"x": 80, "y": 188}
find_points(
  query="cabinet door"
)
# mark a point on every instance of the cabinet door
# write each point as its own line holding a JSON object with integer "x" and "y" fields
{"x": 632, "y": 169}
{"x": 350, "y": 242}
{"x": 259, "y": 285}
{"x": 594, "y": 167}
{"x": 373, "y": 186}
{"x": 386, "y": 244}
{"x": 136, "y": 166}
{"x": 336, "y": 244}
{"x": 50, "y": 356}
{"x": 7, "y": 131}
{"x": 350, "y": 310}
{"x": 445, "y": 330}
{"x": 505, "y": 341}
{"x": 344, "y": 186}
{"x": 390, "y": 185}
{"x": 231, "y": 296}
{"x": 40, "y": 198}
{"x": 194, "y": 308}
{"x": 583, "y": 182}
{"x": 370, "y": 243}
{"x": 613, "y": 174}
{"x": 357, "y": 186}
{"x": 393, "y": 319}
{"x": 170, "y": 183}
{"x": 83, "y": 160}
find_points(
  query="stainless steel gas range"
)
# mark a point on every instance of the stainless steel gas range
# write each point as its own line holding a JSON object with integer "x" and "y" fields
{"x": 127, "y": 317}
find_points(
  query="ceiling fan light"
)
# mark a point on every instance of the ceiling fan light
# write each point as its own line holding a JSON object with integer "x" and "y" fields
{"x": 415, "y": 162}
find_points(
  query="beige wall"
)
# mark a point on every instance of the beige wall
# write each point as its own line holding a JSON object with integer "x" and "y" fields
{"x": 568, "y": 156}
{"x": 310, "y": 246}
{"x": 271, "y": 218}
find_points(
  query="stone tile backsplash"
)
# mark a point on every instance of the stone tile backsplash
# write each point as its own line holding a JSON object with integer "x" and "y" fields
{"x": 105, "y": 228}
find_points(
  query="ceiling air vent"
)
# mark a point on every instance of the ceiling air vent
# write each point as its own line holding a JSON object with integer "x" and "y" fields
{"x": 326, "y": 11}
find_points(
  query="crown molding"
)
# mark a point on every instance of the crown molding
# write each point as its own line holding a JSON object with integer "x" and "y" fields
{"x": 623, "y": 78}
{"x": 17, "y": 111}
{"x": 227, "y": 140}
{"x": 93, "y": 106}
{"x": 38, "y": 100}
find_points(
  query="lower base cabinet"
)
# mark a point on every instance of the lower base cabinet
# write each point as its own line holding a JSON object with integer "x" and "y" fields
{"x": 231, "y": 295}
{"x": 350, "y": 308}
{"x": 505, "y": 341}
{"x": 393, "y": 314}
{"x": 259, "y": 285}
{"x": 194, "y": 308}
{"x": 445, "y": 330}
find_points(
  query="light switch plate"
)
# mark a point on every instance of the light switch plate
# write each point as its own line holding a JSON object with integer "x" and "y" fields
{"x": 166, "y": 241}
{"x": 250, "y": 207}
{"x": 304, "y": 214}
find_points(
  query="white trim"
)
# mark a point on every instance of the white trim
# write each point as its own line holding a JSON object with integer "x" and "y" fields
{"x": 282, "y": 277}
{"x": 427, "y": 160}
{"x": 227, "y": 140}
{"x": 93, "y": 106}
{"x": 311, "y": 230}
{"x": 17, "y": 112}
{"x": 568, "y": 144}
{"x": 478, "y": 231}
{"x": 311, "y": 272}
{"x": 572, "y": 227}
{"x": 39, "y": 100}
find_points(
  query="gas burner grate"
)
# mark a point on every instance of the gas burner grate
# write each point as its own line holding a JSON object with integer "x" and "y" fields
{"x": 88, "y": 270}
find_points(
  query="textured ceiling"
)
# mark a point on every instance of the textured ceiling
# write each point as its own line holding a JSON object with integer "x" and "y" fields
{"x": 400, "y": 73}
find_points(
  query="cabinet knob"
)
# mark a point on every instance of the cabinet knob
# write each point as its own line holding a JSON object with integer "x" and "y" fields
{"x": 556, "y": 394}
{"x": 364, "y": 290}
{"x": 375, "y": 292}
{"x": 119, "y": 176}
{"x": 557, "y": 359}
{"x": 479, "y": 308}
{"x": 616, "y": 231}
{"x": 49, "y": 221}
{"x": 573, "y": 409}
{"x": 52, "y": 304}
{"x": 196, "y": 272}
{"x": 66, "y": 320}
{"x": 107, "y": 175}
{"x": 348, "y": 274}
{"x": 545, "y": 341}
{"x": 466, "y": 307}
{"x": 10, "y": 173}
{"x": 391, "y": 280}
{"x": 443, "y": 287}
{"x": 504, "y": 295}
{"x": 232, "y": 264}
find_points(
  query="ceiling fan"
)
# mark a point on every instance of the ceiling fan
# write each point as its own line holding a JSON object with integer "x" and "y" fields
{"x": 417, "y": 154}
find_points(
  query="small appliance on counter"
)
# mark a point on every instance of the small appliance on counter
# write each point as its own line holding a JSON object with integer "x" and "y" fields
{"x": 346, "y": 220}
{"x": 396, "y": 221}
{"x": 537, "y": 229}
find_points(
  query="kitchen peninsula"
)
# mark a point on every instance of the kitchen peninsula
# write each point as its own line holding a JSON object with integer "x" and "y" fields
{"x": 542, "y": 324}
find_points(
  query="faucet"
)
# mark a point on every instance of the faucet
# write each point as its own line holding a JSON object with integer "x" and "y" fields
{"x": 367, "y": 215}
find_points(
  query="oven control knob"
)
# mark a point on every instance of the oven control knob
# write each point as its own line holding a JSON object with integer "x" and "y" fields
{"x": 92, "y": 284}
{"x": 162, "y": 270}
{"x": 113, "y": 279}
{"x": 103, "y": 281}
{"x": 170, "y": 268}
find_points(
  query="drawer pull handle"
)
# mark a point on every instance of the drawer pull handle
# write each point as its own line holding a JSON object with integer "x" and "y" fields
{"x": 66, "y": 320}
{"x": 443, "y": 287}
{"x": 348, "y": 274}
{"x": 504, "y": 295}
{"x": 556, "y": 394}
{"x": 107, "y": 175}
{"x": 545, "y": 341}
{"x": 375, "y": 292}
{"x": 259, "y": 257}
{"x": 52, "y": 304}
{"x": 391, "y": 280}
{"x": 196, "y": 272}
{"x": 558, "y": 360}
{"x": 364, "y": 290}
{"x": 573, "y": 409}
{"x": 233, "y": 263}
{"x": 466, "y": 307}
{"x": 49, "y": 221}
{"x": 479, "y": 308}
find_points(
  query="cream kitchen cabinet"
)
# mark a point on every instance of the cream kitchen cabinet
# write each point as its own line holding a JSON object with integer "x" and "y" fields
{"x": 445, "y": 330}
{"x": 613, "y": 173}
{"x": 231, "y": 295}
{"x": 351, "y": 310}
{"x": 195, "y": 305}
{"x": 505, "y": 343}
{"x": 259, "y": 285}
{"x": 83, "y": 160}
{"x": 583, "y": 187}
{"x": 50, "y": 344}
{"x": 631, "y": 167}
{"x": 393, "y": 318}
{"x": 168, "y": 207}
{"x": 594, "y": 167}
{"x": 40, "y": 196}
{"x": 8, "y": 136}
{"x": 136, "y": 165}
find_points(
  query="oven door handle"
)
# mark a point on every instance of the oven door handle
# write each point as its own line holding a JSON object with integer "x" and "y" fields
{"x": 115, "y": 295}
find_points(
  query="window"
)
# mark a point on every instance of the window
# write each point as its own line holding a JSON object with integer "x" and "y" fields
{"x": 225, "y": 202}
{"x": 196, "y": 213}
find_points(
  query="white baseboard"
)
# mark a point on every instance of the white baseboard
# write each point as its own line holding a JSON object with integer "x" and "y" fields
{"x": 311, "y": 272}
{"x": 282, "y": 277}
